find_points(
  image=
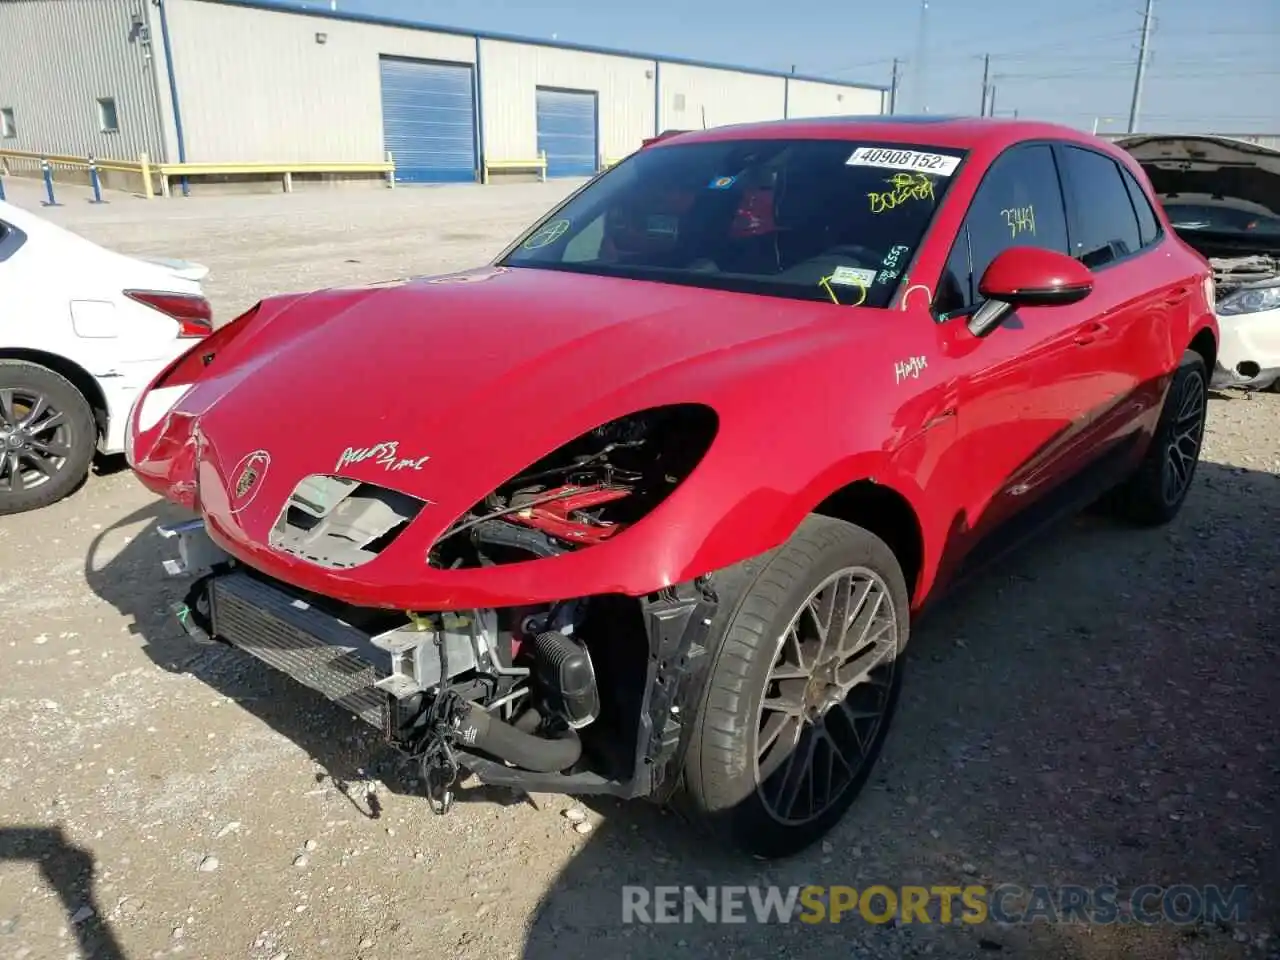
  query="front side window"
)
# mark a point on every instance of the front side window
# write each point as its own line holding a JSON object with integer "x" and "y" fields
{"x": 822, "y": 220}
{"x": 1018, "y": 204}
{"x": 1107, "y": 227}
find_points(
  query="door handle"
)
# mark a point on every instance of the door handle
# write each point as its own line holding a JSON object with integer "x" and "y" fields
{"x": 1178, "y": 296}
{"x": 1090, "y": 333}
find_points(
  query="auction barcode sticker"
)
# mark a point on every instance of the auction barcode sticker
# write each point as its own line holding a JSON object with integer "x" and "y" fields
{"x": 913, "y": 160}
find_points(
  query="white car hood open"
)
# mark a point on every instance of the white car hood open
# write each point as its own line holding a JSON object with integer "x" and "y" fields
{"x": 1222, "y": 168}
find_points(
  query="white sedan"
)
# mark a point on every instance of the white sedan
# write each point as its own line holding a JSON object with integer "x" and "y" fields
{"x": 83, "y": 330}
{"x": 1222, "y": 196}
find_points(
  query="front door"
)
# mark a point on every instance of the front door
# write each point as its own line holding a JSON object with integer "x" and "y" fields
{"x": 1026, "y": 393}
{"x": 1137, "y": 295}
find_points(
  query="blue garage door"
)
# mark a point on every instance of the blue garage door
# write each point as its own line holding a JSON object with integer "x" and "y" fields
{"x": 428, "y": 120}
{"x": 567, "y": 132}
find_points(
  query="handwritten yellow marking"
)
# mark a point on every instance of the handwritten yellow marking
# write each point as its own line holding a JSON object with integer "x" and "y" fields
{"x": 548, "y": 235}
{"x": 905, "y": 186}
{"x": 825, "y": 284}
{"x": 1020, "y": 220}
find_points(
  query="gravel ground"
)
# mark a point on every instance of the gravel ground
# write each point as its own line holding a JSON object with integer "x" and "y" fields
{"x": 1099, "y": 709}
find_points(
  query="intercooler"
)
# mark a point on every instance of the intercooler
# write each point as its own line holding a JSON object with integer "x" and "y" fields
{"x": 310, "y": 645}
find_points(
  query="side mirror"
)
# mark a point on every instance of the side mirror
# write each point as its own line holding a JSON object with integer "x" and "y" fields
{"x": 1028, "y": 277}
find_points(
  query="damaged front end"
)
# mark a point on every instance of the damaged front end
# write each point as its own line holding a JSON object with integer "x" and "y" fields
{"x": 1222, "y": 198}
{"x": 590, "y": 695}
{"x": 587, "y": 694}
{"x": 1248, "y": 288}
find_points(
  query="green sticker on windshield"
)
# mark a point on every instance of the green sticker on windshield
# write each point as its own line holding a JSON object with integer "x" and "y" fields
{"x": 547, "y": 235}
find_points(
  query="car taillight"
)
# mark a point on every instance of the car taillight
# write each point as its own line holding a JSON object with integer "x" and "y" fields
{"x": 193, "y": 314}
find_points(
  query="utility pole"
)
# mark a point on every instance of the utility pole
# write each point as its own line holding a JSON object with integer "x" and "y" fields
{"x": 986, "y": 82}
{"x": 893, "y": 87}
{"x": 1143, "y": 50}
{"x": 991, "y": 108}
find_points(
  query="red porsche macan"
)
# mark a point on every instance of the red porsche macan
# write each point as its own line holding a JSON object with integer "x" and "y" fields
{"x": 646, "y": 506}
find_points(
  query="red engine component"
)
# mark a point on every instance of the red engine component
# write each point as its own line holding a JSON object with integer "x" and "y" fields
{"x": 553, "y": 513}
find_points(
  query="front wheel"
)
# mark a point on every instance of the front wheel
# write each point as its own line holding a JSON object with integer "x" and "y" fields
{"x": 803, "y": 689}
{"x": 47, "y": 436}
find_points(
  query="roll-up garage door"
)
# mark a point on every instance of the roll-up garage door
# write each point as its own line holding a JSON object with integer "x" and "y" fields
{"x": 567, "y": 132}
{"x": 429, "y": 120}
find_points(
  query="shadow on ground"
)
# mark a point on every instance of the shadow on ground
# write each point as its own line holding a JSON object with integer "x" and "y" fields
{"x": 1098, "y": 709}
{"x": 69, "y": 871}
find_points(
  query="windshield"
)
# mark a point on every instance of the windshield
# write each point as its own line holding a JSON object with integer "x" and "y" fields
{"x": 824, "y": 220}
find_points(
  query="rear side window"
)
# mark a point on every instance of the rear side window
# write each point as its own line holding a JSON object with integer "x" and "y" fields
{"x": 1019, "y": 204}
{"x": 1106, "y": 226}
{"x": 1148, "y": 225}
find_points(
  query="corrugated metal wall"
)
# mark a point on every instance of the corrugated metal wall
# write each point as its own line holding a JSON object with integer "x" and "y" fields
{"x": 693, "y": 97}
{"x": 58, "y": 59}
{"x": 805, "y": 98}
{"x": 257, "y": 85}
{"x": 287, "y": 85}
{"x": 512, "y": 72}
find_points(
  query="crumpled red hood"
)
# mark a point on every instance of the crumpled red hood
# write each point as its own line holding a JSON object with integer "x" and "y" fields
{"x": 445, "y": 388}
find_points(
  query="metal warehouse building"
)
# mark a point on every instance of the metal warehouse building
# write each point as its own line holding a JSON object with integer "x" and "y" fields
{"x": 224, "y": 81}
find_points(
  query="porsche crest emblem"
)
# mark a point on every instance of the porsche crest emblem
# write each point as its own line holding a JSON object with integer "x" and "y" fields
{"x": 247, "y": 479}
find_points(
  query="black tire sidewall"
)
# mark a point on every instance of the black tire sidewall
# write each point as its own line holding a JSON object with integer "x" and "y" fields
{"x": 724, "y": 793}
{"x": 1193, "y": 365}
{"x": 64, "y": 396}
{"x": 1140, "y": 500}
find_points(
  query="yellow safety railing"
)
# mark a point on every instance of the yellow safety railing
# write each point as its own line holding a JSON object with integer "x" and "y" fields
{"x": 538, "y": 166}
{"x": 61, "y": 160}
{"x": 146, "y": 170}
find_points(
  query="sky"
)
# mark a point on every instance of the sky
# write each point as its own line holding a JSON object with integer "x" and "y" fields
{"x": 1213, "y": 66}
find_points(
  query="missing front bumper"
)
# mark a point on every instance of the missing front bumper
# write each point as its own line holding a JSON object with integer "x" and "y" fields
{"x": 357, "y": 668}
{"x": 309, "y": 645}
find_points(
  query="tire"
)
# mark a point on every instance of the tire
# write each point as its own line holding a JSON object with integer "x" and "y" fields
{"x": 1147, "y": 499}
{"x": 727, "y": 787}
{"x": 52, "y": 459}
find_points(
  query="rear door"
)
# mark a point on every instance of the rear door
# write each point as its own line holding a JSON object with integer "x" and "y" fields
{"x": 1137, "y": 295}
{"x": 1027, "y": 391}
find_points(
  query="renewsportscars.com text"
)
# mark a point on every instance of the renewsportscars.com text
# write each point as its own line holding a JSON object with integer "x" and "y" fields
{"x": 973, "y": 904}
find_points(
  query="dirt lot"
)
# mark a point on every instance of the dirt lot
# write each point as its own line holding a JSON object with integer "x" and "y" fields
{"x": 1101, "y": 709}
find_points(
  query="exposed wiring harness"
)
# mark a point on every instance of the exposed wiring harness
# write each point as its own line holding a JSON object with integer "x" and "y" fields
{"x": 434, "y": 747}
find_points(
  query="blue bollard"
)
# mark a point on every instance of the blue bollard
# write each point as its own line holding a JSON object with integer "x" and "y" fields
{"x": 47, "y": 170}
{"x": 95, "y": 182}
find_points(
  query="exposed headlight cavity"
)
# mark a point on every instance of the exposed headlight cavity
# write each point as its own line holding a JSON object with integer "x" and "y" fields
{"x": 584, "y": 492}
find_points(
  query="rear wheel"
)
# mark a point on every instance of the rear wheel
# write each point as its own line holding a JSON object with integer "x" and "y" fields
{"x": 803, "y": 690}
{"x": 1155, "y": 493}
{"x": 47, "y": 436}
